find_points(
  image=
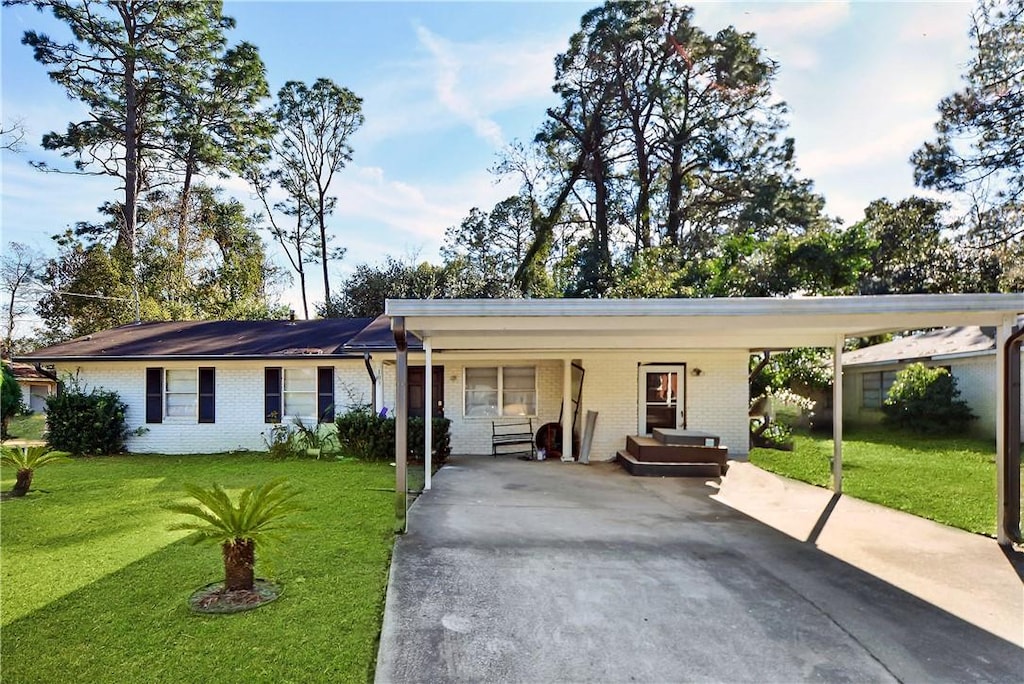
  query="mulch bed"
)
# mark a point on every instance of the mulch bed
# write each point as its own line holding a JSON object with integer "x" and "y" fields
{"x": 214, "y": 599}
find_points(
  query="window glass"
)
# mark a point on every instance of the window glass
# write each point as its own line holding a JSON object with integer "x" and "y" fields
{"x": 875, "y": 388}
{"x": 888, "y": 378}
{"x": 180, "y": 394}
{"x": 519, "y": 391}
{"x": 300, "y": 392}
{"x": 516, "y": 387}
{"x": 481, "y": 391}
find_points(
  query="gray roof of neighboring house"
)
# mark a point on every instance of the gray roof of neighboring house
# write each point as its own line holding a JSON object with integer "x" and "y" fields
{"x": 209, "y": 339}
{"x": 968, "y": 340}
{"x": 377, "y": 336}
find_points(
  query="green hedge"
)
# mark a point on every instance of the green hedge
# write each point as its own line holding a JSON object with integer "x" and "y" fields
{"x": 86, "y": 423}
{"x": 366, "y": 436}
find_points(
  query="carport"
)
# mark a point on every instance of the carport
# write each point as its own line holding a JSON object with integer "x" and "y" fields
{"x": 564, "y": 328}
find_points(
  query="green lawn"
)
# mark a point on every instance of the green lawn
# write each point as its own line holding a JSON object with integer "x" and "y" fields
{"x": 27, "y": 427}
{"x": 93, "y": 587}
{"x": 951, "y": 480}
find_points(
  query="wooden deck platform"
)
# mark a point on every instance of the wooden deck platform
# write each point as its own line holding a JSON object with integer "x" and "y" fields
{"x": 685, "y": 455}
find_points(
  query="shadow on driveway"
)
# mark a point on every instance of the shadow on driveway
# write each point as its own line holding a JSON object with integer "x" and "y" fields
{"x": 555, "y": 572}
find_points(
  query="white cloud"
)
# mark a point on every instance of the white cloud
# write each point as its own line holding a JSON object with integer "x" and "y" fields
{"x": 449, "y": 83}
{"x": 448, "y": 92}
{"x": 792, "y": 33}
{"x": 887, "y": 147}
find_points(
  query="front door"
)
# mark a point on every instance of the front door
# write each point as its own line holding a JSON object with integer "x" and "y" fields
{"x": 417, "y": 393}
{"x": 662, "y": 398}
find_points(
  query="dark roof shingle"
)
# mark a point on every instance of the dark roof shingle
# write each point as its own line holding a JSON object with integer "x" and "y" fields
{"x": 190, "y": 339}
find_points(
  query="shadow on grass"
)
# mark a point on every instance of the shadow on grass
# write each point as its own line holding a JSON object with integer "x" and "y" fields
{"x": 134, "y": 625}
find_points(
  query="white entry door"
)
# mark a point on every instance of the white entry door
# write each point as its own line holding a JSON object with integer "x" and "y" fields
{"x": 662, "y": 398}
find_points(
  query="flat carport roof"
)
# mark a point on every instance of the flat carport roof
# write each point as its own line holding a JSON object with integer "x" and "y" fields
{"x": 568, "y": 326}
{"x": 712, "y": 323}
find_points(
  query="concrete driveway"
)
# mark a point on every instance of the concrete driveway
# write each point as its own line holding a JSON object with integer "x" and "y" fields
{"x": 550, "y": 572}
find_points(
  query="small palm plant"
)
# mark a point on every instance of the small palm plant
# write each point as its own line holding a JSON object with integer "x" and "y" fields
{"x": 27, "y": 460}
{"x": 257, "y": 519}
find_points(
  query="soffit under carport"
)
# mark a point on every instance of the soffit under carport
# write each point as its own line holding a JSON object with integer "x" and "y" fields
{"x": 728, "y": 323}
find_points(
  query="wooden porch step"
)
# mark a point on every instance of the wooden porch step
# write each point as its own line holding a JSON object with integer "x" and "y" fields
{"x": 651, "y": 450}
{"x": 667, "y": 469}
{"x": 685, "y": 437}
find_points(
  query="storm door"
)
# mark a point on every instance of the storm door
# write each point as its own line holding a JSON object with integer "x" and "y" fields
{"x": 662, "y": 401}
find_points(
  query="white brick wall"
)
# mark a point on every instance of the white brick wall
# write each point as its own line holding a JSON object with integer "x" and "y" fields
{"x": 239, "y": 402}
{"x": 716, "y": 401}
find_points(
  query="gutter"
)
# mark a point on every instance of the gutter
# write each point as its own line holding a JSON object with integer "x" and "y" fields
{"x": 1011, "y": 436}
{"x": 373, "y": 379}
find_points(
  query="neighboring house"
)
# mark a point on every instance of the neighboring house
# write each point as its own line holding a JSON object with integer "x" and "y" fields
{"x": 36, "y": 385}
{"x": 968, "y": 353}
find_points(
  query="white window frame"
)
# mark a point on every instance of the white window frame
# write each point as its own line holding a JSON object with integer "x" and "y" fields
{"x": 500, "y": 392}
{"x": 167, "y": 417}
{"x": 285, "y": 392}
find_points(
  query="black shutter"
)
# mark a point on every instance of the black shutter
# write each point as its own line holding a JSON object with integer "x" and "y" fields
{"x": 207, "y": 395}
{"x": 272, "y": 395}
{"x": 325, "y": 394}
{"x": 154, "y": 395}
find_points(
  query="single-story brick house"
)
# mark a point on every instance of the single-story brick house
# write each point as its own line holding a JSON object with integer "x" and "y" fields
{"x": 638, "y": 364}
{"x": 967, "y": 352}
{"x": 210, "y": 386}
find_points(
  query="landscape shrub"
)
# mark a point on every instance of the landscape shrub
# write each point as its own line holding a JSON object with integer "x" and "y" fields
{"x": 84, "y": 422}
{"x": 369, "y": 437}
{"x": 925, "y": 400}
{"x": 281, "y": 441}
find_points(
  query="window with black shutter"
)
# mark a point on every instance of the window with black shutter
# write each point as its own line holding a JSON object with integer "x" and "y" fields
{"x": 272, "y": 395}
{"x": 154, "y": 395}
{"x": 325, "y": 394}
{"x": 207, "y": 395}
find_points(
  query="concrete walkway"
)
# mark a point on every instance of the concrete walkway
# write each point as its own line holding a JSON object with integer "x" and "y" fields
{"x": 550, "y": 572}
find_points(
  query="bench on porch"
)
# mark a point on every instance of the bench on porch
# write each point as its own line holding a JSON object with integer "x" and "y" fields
{"x": 513, "y": 438}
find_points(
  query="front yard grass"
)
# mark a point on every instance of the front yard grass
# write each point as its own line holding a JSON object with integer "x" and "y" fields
{"x": 27, "y": 427}
{"x": 951, "y": 480}
{"x": 93, "y": 586}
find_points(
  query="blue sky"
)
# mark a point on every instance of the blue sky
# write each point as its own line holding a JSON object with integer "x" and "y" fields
{"x": 447, "y": 85}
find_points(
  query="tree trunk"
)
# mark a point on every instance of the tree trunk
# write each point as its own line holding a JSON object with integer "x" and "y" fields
{"x": 305, "y": 302}
{"x": 673, "y": 229}
{"x": 328, "y": 308}
{"x": 183, "y": 226}
{"x": 126, "y": 237}
{"x": 239, "y": 560}
{"x": 22, "y": 484}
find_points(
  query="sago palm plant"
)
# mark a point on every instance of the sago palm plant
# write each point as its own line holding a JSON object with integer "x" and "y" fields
{"x": 27, "y": 460}
{"x": 257, "y": 519}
